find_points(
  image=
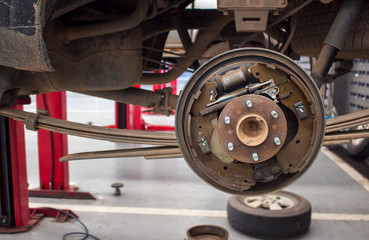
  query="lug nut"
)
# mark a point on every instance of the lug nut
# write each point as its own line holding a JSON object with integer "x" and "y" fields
{"x": 274, "y": 114}
{"x": 249, "y": 103}
{"x": 277, "y": 141}
{"x": 227, "y": 120}
{"x": 230, "y": 146}
{"x": 255, "y": 157}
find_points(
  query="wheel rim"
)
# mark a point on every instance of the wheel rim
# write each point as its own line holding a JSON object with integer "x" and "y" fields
{"x": 269, "y": 202}
{"x": 358, "y": 141}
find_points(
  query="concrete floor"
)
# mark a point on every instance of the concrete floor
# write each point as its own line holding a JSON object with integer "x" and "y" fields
{"x": 163, "y": 198}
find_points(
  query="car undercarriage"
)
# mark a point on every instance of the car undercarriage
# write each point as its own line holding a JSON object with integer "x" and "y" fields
{"x": 249, "y": 121}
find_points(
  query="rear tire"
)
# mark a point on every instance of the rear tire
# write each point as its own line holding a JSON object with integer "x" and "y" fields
{"x": 313, "y": 24}
{"x": 358, "y": 151}
{"x": 260, "y": 222}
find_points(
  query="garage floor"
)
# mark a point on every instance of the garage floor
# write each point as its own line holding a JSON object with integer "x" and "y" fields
{"x": 163, "y": 198}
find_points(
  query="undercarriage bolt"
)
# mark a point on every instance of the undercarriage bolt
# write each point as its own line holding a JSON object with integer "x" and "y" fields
{"x": 227, "y": 120}
{"x": 249, "y": 103}
{"x": 277, "y": 141}
{"x": 230, "y": 146}
{"x": 5, "y": 220}
{"x": 255, "y": 157}
{"x": 274, "y": 114}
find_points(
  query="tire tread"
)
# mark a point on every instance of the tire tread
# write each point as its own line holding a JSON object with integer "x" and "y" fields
{"x": 313, "y": 24}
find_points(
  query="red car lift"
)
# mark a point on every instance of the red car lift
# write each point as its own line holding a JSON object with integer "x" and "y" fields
{"x": 54, "y": 175}
{"x": 134, "y": 120}
{"x": 15, "y": 214}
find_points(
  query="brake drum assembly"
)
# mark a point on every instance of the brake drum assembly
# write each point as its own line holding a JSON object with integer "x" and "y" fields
{"x": 250, "y": 121}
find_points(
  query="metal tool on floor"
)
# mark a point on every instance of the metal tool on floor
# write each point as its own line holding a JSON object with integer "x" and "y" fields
{"x": 209, "y": 232}
{"x": 117, "y": 187}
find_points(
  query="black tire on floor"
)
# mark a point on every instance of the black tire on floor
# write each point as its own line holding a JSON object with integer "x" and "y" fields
{"x": 359, "y": 151}
{"x": 266, "y": 223}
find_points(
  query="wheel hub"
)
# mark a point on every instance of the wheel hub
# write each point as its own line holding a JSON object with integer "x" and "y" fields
{"x": 252, "y": 130}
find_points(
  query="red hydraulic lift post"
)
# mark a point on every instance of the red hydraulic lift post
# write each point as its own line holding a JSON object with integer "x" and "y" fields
{"x": 134, "y": 119}
{"x": 54, "y": 175}
{"x": 174, "y": 85}
{"x": 15, "y": 214}
{"x": 19, "y": 171}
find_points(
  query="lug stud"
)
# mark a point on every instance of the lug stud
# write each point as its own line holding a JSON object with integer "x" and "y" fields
{"x": 277, "y": 141}
{"x": 227, "y": 120}
{"x": 255, "y": 157}
{"x": 274, "y": 114}
{"x": 249, "y": 103}
{"x": 230, "y": 146}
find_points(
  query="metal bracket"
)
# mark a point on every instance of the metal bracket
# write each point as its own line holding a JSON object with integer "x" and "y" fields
{"x": 272, "y": 90}
{"x": 251, "y": 21}
{"x": 204, "y": 145}
{"x": 267, "y": 171}
{"x": 164, "y": 107}
{"x": 31, "y": 121}
{"x": 300, "y": 110}
{"x": 251, "y": 15}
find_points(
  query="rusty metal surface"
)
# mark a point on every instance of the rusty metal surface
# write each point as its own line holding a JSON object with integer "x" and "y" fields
{"x": 164, "y": 138}
{"x": 203, "y": 39}
{"x": 237, "y": 177}
{"x": 336, "y": 138}
{"x": 303, "y": 138}
{"x": 299, "y": 143}
{"x": 251, "y": 4}
{"x": 106, "y": 27}
{"x": 308, "y": 39}
{"x": 261, "y": 106}
{"x": 338, "y": 128}
{"x": 163, "y": 156}
{"x": 348, "y": 117}
{"x": 66, "y": 6}
{"x": 338, "y": 142}
{"x": 233, "y": 78}
{"x": 21, "y": 29}
{"x": 90, "y": 131}
{"x": 141, "y": 97}
{"x": 346, "y": 135}
{"x": 345, "y": 126}
{"x": 135, "y": 152}
{"x": 92, "y": 64}
{"x": 335, "y": 39}
{"x": 207, "y": 232}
